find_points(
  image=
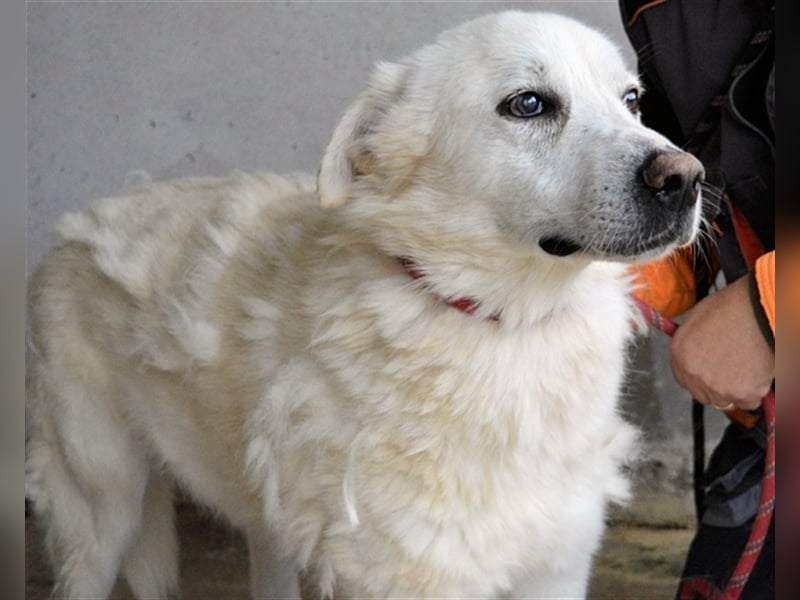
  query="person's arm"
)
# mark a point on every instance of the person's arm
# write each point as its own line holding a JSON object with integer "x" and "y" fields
{"x": 723, "y": 353}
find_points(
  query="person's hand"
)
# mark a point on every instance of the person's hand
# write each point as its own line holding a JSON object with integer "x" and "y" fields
{"x": 719, "y": 353}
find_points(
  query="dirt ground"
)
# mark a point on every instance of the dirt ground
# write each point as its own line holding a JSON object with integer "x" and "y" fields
{"x": 635, "y": 563}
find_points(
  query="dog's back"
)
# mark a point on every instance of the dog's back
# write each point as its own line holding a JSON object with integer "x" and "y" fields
{"x": 130, "y": 288}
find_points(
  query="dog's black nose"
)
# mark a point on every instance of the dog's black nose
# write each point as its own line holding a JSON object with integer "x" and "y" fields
{"x": 675, "y": 177}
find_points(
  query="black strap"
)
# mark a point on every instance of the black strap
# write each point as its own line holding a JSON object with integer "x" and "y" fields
{"x": 699, "y": 460}
{"x": 758, "y": 310}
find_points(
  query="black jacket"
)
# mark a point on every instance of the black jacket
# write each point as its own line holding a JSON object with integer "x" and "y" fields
{"x": 692, "y": 55}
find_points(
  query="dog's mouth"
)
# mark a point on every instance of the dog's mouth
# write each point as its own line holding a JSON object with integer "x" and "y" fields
{"x": 557, "y": 246}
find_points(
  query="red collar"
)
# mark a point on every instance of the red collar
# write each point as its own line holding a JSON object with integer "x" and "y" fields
{"x": 465, "y": 305}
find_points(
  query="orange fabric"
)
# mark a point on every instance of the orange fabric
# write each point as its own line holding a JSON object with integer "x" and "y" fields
{"x": 765, "y": 277}
{"x": 667, "y": 284}
{"x": 749, "y": 243}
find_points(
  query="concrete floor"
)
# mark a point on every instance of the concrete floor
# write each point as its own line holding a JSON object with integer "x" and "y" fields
{"x": 635, "y": 563}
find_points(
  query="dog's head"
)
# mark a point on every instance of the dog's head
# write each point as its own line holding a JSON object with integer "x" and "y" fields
{"x": 527, "y": 124}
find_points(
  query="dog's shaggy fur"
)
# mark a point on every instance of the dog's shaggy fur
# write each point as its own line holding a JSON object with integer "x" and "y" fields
{"x": 257, "y": 340}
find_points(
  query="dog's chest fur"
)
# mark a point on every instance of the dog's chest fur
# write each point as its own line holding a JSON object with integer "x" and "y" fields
{"x": 472, "y": 439}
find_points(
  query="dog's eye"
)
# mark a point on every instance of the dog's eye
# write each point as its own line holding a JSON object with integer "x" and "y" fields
{"x": 631, "y": 99}
{"x": 526, "y": 105}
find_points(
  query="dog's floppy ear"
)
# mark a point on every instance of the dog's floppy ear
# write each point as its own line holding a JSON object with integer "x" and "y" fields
{"x": 348, "y": 155}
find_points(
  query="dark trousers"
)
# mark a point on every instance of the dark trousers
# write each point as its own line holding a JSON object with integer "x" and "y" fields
{"x": 733, "y": 481}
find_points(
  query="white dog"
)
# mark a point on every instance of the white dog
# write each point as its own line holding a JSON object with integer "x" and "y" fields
{"x": 408, "y": 391}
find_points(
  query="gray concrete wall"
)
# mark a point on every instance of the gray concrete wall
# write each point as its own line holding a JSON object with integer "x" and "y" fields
{"x": 182, "y": 88}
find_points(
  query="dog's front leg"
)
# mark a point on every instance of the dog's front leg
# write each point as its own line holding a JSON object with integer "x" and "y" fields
{"x": 552, "y": 589}
{"x": 570, "y": 584}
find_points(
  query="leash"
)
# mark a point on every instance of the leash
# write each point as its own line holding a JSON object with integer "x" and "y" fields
{"x": 694, "y": 587}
